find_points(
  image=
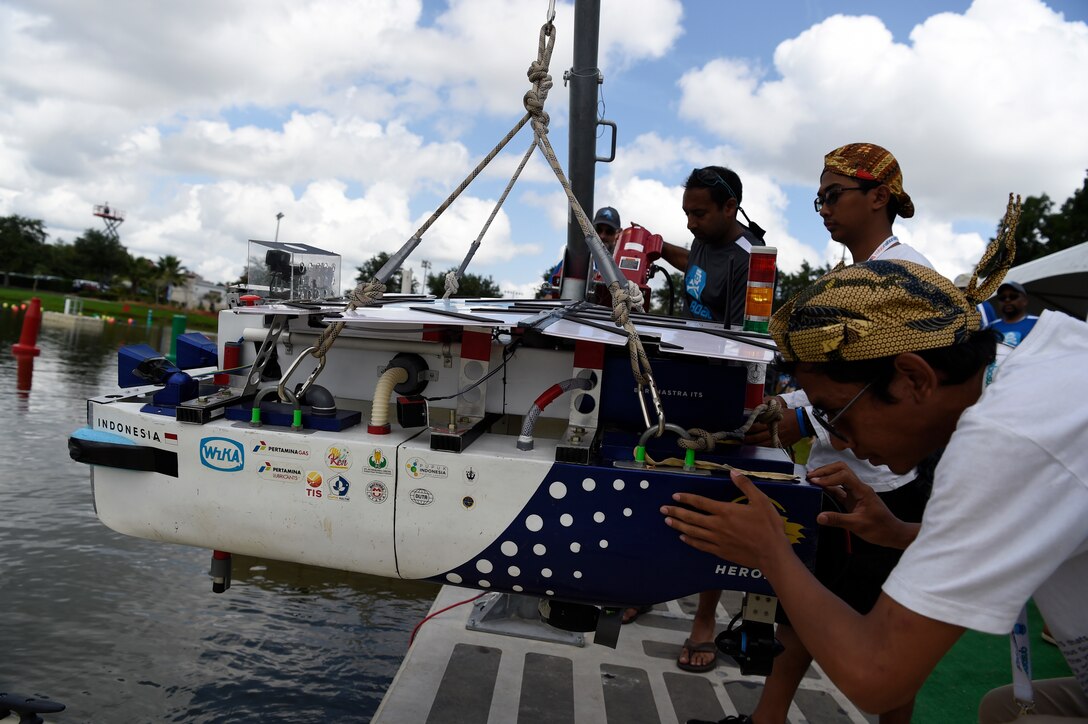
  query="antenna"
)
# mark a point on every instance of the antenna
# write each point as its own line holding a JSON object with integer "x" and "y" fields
{"x": 113, "y": 218}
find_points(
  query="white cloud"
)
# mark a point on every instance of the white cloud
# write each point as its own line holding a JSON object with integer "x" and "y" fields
{"x": 976, "y": 105}
{"x": 355, "y": 119}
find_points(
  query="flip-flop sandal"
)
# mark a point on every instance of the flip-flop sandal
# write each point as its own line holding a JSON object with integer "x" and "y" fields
{"x": 639, "y": 610}
{"x": 694, "y": 648}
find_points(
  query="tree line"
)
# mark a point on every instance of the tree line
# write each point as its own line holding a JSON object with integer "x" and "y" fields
{"x": 100, "y": 257}
{"x": 94, "y": 257}
{"x": 470, "y": 285}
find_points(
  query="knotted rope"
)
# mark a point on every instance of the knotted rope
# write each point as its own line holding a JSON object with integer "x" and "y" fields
{"x": 769, "y": 413}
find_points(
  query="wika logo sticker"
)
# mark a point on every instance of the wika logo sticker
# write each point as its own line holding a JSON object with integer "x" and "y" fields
{"x": 222, "y": 454}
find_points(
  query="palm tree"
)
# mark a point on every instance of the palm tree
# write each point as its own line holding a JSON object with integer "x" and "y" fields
{"x": 170, "y": 273}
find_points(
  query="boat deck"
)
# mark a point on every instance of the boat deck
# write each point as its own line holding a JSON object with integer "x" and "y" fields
{"x": 455, "y": 675}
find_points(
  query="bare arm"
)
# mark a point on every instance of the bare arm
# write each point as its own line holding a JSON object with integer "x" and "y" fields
{"x": 878, "y": 660}
{"x": 676, "y": 256}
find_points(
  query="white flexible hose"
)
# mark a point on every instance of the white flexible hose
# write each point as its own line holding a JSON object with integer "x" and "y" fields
{"x": 379, "y": 409}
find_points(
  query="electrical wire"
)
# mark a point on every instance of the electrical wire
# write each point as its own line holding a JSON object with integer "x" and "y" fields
{"x": 447, "y": 608}
{"x": 507, "y": 354}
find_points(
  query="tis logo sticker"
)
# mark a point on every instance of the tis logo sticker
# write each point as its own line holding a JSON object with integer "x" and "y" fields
{"x": 313, "y": 484}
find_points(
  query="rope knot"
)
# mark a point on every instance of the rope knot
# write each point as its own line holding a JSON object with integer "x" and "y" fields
{"x": 451, "y": 284}
{"x": 704, "y": 441}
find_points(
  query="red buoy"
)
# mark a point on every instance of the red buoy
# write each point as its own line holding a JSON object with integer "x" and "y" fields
{"x": 26, "y": 349}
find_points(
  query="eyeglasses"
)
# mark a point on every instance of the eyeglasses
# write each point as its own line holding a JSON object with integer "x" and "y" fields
{"x": 831, "y": 197}
{"x": 1008, "y": 297}
{"x": 829, "y": 425}
{"x": 710, "y": 177}
{"x": 603, "y": 230}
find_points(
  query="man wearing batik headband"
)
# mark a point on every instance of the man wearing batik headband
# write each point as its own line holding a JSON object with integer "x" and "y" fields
{"x": 860, "y": 194}
{"x": 892, "y": 356}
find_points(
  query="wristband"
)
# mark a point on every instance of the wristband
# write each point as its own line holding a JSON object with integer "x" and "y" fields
{"x": 802, "y": 423}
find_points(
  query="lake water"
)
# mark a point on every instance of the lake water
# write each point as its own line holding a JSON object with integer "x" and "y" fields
{"x": 126, "y": 630}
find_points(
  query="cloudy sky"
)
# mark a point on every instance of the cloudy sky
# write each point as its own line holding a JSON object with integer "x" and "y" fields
{"x": 202, "y": 120}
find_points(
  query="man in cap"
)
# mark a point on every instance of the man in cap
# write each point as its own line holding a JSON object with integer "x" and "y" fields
{"x": 716, "y": 267}
{"x": 860, "y": 194}
{"x": 1012, "y": 307}
{"x": 607, "y": 223}
{"x": 892, "y": 356}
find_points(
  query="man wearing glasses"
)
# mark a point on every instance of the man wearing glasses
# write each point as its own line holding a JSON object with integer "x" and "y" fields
{"x": 895, "y": 355}
{"x": 1012, "y": 306}
{"x": 860, "y": 194}
{"x": 716, "y": 267}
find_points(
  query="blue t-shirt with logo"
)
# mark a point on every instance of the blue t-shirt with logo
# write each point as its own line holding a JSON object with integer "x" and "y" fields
{"x": 1013, "y": 333}
{"x": 717, "y": 278}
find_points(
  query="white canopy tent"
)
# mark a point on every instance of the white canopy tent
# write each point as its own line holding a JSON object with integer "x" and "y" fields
{"x": 1056, "y": 281}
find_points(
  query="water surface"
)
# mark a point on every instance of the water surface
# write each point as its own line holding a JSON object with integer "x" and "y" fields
{"x": 126, "y": 630}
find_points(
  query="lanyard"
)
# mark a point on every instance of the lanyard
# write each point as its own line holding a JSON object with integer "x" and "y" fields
{"x": 1019, "y": 641}
{"x": 884, "y": 246}
{"x": 1020, "y": 646}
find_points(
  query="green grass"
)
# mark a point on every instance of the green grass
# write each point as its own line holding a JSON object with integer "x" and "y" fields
{"x": 161, "y": 314}
{"x": 977, "y": 663}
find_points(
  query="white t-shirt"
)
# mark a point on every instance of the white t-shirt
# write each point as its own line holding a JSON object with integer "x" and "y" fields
{"x": 1008, "y": 517}
{"x": 879, "y": 477}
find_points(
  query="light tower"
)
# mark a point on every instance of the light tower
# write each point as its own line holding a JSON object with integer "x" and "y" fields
{"x": 113, "y": 218}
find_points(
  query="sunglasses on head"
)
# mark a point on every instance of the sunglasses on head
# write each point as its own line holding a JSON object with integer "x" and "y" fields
{"x": 710, "y": 177}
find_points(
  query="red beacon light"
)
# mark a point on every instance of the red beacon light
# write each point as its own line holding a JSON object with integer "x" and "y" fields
{"x": 759, "y": 298}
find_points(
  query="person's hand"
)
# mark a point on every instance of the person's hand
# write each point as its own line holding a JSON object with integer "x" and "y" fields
{"x": 866, "y": 514}
{"x": 745, "y": 534}
{"x": 789, "y": 432}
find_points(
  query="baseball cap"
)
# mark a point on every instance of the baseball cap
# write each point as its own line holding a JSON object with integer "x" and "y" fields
{"x": 608, "y": 216}
{"x": 1017, "y": 286}
{"x": 962, "y": 281}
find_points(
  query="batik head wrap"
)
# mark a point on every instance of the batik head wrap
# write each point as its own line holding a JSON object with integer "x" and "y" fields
{"x": 882, "y": 308}
{"x": 870, "y": 162}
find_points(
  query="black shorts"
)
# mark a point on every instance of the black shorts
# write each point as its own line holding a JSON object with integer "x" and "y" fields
{"x": 853, "y": 569}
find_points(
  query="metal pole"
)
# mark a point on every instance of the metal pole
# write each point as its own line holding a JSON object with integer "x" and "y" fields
{"x": 584, "y": 79}
{"x": 278, "y": 217}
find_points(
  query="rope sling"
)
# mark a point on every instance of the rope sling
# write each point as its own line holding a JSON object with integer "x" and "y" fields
{"x": 625, "y": 295}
